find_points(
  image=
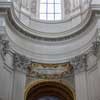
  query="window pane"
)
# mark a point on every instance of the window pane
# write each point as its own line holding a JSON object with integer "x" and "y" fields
{"x": 57, "y": 1}
{"x": 43, "y": 1}
{"x": 50, "y": 8}
{"x": 57, "y": 16}
{"x": 57, "y": 8}
{"x": 50, "y": 1}
{"x": 43, "y": 16}
{"x": 42, "y": 8}
{"x": 50, "y": 17}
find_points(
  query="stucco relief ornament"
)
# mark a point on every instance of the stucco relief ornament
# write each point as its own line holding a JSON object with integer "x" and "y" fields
{"x": 79, "y": 63}
{"x": 4, "y": 46}
{"x": 1, "y": 38}
{"x": 95, "y": 47}
{"x": 20, "y": 62}
{"x": 50, "y": 71}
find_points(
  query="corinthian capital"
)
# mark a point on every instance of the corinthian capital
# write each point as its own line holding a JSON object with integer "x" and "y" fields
{"x": 79, "y": 63}
{"x": 95, "y": 47}
{"x": 20, "y": 62}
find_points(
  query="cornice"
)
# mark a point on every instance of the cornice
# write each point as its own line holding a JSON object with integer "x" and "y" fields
{"x": 23, "y": 63}
{"x": 53, "y": 57}
{"x": 95, "y": 7}
{"x": 26, "y": 31}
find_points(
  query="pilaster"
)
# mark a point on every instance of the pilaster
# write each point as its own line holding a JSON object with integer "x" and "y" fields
{"x": 80, "y": 64}
{"x": 19, "y": 81}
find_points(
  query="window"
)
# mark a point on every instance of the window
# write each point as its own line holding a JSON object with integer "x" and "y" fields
{"x": 50, "y": 9}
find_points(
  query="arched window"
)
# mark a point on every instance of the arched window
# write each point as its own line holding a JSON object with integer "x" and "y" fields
{"x": 50, "y": 10}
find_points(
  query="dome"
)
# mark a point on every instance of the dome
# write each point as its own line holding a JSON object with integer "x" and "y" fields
{"x": 62, "y": 14}
{"x": 50, "y": 10}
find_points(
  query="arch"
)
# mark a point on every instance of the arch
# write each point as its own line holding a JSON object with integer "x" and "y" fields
{"x": 41, "y": 88}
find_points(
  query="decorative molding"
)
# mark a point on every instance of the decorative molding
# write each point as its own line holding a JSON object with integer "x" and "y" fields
{"x": 24, "y": 64}
{"x": 56, "y": 71}
{"x": 79, "y": 63}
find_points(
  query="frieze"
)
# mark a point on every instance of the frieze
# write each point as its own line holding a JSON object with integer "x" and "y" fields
{"x": 77, "y": 63}
{"x": 23, "y": 63}
{"x": 50, "y": 71}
